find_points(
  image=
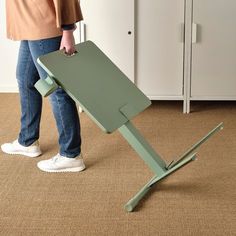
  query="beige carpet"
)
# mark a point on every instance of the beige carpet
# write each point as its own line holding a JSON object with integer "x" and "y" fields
{"x": 199, "y": 199}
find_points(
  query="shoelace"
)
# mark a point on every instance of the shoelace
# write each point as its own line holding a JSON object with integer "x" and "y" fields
{"x": 54, "y": 159}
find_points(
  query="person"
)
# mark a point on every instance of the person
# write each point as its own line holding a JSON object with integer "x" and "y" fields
{"x": 42, "y": 27}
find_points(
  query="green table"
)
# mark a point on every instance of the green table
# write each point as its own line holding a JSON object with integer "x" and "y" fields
{"x": 111, "y": 100}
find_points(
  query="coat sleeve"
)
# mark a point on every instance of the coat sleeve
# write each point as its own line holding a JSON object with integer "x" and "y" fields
{"x": 67, "y": 12}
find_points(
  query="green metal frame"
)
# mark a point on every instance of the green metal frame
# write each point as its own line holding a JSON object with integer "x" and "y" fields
{"x": 154, "y": 161}
{"x": 110, "y": 109}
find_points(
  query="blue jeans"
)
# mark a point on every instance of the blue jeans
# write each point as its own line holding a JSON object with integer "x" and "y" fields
{"x": 64, "y": 108}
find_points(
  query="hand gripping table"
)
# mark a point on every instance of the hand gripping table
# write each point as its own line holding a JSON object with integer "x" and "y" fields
{"x": 111, "y": 100}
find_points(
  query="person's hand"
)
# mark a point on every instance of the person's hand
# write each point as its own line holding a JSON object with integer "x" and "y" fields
{"x": 68, "y": 42}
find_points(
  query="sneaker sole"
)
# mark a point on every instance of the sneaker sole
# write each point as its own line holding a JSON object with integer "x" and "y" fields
{"x": 23, "y": 153}
{"x": 74, "y": 169}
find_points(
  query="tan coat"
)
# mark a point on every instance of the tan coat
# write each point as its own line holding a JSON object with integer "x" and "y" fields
{"x": 40, "y": 19}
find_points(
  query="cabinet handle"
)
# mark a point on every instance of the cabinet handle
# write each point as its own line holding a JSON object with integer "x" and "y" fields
{"x": 182, "y": 32}
{"x": 194, "y": 33}
{"x": 82, "y": 32}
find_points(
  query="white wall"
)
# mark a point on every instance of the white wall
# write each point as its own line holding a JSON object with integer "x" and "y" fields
{"x": 8, "y": 56}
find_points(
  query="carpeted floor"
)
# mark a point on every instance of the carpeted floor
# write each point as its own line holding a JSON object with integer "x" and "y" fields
{"x": 199, "y": 199}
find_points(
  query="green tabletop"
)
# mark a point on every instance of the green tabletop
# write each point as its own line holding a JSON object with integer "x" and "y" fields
{"x": 97, "y": 84}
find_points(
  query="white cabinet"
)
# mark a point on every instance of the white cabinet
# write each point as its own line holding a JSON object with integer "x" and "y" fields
{"x": 160, "y": 48}
{"x": 176, "y": 49}
{"x": 213, "y": 75}
{"x": 110, "y": 24}
{"x": 144, "y": 38}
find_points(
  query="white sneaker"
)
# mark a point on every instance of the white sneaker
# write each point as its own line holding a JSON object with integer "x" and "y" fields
{"x": 15, "y": 148}
{"x": 62, "y": 164}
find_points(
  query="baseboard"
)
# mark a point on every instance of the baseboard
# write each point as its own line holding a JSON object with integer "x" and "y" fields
{"x": 9, "y": 89}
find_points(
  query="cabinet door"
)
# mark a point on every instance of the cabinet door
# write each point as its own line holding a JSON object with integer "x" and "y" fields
{"x": 214, "y": 53}
{"x": 160, "y": 48}
{"x": 110, "y": 25}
